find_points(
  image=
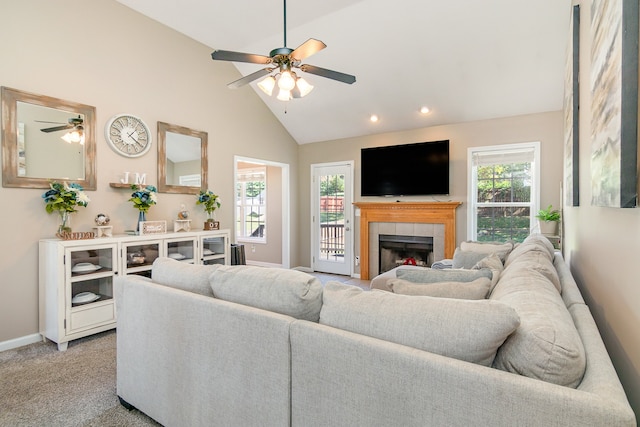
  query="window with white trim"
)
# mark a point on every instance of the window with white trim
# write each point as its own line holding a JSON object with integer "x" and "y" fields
{"x": 503, "y": 191}
{"x": 251, "y": 205}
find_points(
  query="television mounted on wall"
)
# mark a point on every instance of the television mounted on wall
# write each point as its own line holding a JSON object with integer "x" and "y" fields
{"x": 417, "y": 169}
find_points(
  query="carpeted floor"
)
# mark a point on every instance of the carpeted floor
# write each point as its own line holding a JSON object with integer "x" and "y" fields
{"x": 41, "y": 386}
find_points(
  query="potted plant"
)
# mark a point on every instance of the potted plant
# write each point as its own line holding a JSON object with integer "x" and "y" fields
{"x": 63, "y": 198}
{"x": 549, "y": 219}
{"x": 210, "y": 201}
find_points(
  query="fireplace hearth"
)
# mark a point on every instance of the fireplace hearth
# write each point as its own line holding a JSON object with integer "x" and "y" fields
{"x": 395, "y": 250}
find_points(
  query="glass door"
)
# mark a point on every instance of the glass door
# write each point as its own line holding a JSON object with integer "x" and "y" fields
{"x": 332, "y": 217}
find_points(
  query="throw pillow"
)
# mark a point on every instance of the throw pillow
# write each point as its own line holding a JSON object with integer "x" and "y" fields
{"x": 180, "y": 275}
{"x": 462, "y": 329}
{"x": 428, "y": 275}
{"x": 547, "y": 345}
{"x": 475, "y": 290}
{"x": 466, "y": 259}
{"x": 486, "y": 247}
{"x": 493, "y": 263}
{"x": 291, "y": 292}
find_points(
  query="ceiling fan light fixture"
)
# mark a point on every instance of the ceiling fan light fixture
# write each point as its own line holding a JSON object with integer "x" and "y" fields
{"x": 303, "y": 86}
{"x": 74, "y": 135}
{"x": 267, "y": 85}
{"x": 284, "y": 95}
{"x": 286, "y": 81}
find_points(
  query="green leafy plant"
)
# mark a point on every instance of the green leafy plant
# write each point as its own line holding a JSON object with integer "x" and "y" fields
{"x": 64, "y": 197}
{"x": 549, "y": 214}
{"x": 143, "y": 197}
{"x": 209, "y": 201}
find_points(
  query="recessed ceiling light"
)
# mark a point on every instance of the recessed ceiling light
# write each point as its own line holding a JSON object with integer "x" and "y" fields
{"x": 424, "y": 110}
{"x": 373, "y": 118}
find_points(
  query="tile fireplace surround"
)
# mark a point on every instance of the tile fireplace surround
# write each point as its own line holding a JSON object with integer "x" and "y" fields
{"x": 442, "y": 215}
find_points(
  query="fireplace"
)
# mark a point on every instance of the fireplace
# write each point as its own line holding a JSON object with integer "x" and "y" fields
{"x": 395, "y": 250}
{"x": 435, "y": 219}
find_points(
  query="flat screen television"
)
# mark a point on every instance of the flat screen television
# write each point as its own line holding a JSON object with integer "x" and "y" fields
{"x": 417, "y": 169}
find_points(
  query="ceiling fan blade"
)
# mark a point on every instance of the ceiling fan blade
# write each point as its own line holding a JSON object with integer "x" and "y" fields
{"x": 56, "y": 128}
{"x": 307, "y": 49}
{"x": 330, "y": 74}
{"x": 248, "y": 79}
{"x": 227, "y": 55}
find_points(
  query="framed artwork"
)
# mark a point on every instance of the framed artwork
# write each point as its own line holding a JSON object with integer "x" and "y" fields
{"x": 571, "y": 113}
{"x": 614, "y": 103}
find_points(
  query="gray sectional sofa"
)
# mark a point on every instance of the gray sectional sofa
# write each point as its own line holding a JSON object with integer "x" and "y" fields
{"x": 249, "y": 346}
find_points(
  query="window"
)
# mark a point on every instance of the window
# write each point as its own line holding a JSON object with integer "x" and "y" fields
{"x": 251, "y": 204}
{"x": 503, "y": 191}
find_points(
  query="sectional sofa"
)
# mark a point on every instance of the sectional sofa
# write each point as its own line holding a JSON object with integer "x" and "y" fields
{"x": 250, "y": 346}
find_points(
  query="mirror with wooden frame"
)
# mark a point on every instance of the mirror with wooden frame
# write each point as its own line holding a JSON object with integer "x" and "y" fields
{"x": 34, "y": 152}
{"x": 182, "y": 159}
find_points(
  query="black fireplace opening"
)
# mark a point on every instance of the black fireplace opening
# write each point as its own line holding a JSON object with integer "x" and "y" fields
{"x": 395, "y": 251}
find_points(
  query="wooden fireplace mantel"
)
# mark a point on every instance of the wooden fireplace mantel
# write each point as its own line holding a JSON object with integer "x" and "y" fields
{"x": 418, "y": 212}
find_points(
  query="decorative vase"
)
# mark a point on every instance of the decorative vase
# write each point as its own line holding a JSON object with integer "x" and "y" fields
{"x": 211, "y": 223}
{"x": 65, "y": 222}
{"x": 142, "y": 216}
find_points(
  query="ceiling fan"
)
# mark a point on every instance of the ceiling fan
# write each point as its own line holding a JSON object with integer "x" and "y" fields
{"x": 284, "y": 60}
{"x": 74, "y": 125}
{"x": 73, "y": 122}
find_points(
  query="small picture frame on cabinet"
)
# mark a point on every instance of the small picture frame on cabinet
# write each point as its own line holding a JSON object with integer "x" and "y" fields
{"x": 153, "y": 227}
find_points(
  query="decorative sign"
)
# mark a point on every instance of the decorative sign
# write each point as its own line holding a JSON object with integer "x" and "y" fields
{"x": 153, "y": 227}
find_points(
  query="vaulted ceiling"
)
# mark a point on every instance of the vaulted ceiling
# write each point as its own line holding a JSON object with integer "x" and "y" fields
{"x": 465, "y": 60}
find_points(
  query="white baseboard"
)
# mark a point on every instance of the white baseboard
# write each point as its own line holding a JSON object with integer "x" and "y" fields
{"x": 19, "y": 342}
{"x": 305, "y": 269}
{"x": 356, "y": 276}
{"x": 264, "y": 264}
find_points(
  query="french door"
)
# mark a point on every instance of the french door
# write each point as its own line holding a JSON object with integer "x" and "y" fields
{"x": 332, "y": 235}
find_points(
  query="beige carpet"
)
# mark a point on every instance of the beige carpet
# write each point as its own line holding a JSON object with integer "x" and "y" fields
{"x": 41, "y": 386}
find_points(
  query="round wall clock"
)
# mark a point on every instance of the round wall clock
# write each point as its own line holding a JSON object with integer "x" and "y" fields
{"x": 128, "y": 135}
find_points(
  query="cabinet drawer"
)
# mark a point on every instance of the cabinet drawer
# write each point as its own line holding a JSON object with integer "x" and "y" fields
{"x": 91, "y": 316}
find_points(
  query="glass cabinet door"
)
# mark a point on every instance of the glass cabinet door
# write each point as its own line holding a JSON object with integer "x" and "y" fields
{"x": 214, "y": 249}
{"x": 90, "y": 273}
{"x": 138, "y": 257}
{"x": 182, "y": 249}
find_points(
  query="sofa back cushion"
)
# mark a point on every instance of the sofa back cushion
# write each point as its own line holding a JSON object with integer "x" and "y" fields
{"x": 180, "y": 275}
{"x": 289, "y": 292}
{"x": 533, "y": 242}
{"x": 546, "y": 345}
{"x": 428, "y": 275}
{"x": 477, "y": 289}
{"x": 462, "y": 329}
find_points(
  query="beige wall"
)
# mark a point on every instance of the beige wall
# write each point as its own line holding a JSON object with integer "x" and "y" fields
{"x": 108, "y": 56}
{"x": 602, "y": 245}
{"x": 546, "y": 128}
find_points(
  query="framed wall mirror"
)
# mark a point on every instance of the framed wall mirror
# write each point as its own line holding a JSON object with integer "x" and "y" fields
{"x": 182, "y": 159}
{"x": 46, "y": 139}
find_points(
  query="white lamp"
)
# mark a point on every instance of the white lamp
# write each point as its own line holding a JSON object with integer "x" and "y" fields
{"x": 303, "y": 86}
{"x": 267, "y": 85}
{"x": 284, "y": 95}
{"x": 286, "y": 81}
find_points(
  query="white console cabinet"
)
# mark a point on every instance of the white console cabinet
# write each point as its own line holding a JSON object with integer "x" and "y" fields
{"x": 76, "y": 276}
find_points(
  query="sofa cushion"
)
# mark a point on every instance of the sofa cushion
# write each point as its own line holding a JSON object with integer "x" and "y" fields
{"x": 462, "y": 329}
{"x": 534, "y": 260}
{"x": 477, "y": 289}
{"x": 493, "y": 263}
{"x": 180, "y": 275}
{"x": 546, "y": 345}
{"x": 428, "y": 275}
{"x": 289, "y": 292}
{"x": 533, "y": 242}
{"x": 466, "y": 259}
{"x": 486, "y": 247}
{"x": 381, "y": 280}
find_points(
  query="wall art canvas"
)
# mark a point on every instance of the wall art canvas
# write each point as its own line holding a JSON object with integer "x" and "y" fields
{"x": 571, "y": 110}
{"x": 614, "y": 102}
